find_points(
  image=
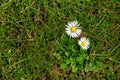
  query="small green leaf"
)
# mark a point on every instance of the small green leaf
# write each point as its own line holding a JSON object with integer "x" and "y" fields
{"x": 63, "y": 66}
{"x": 74, "y": 68}
{"x": 81, "y": 68}
{"x": 99, "y": 64}
{"x": 88, "y": 0}
{"x": 67, "y": 53}
{"x": 91, "y": 64}
{"x": 59, "y": 56}
{"x": 81, "y": 57}
{"x": 72, "y": 60}
{"x": 67, "y": 61}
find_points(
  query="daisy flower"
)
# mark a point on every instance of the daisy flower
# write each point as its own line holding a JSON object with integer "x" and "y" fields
{"x": 84, "y": 43}
{"x": 72, "y": 29}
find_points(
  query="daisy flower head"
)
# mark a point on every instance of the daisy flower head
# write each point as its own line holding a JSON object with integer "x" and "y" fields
{"x": 72, "y": 29}
{"x": 84, "y": 43}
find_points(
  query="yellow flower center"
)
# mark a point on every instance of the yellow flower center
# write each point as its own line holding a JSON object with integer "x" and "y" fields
{"x": 73, "y": 29}
{"x": 83, "y": 43}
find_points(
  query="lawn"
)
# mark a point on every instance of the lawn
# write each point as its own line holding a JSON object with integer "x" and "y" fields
{"x": 34, "y": 44}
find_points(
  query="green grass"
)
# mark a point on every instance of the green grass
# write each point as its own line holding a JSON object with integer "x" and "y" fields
{"x": 31, "y": 29}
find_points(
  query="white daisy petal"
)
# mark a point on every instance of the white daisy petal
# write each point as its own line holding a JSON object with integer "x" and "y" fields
{"x": 86, "y": 48}
{"x": 75, "y": 22}
{"x": 67, "y": 26}
{"x": 83, "y": 38}
{"x": 79, "y": 31}
{"x": 67, "y": 29}
{"x": 72, "y": 29}
{"x": 75, "y": 35}
{"x": 77, "y": 25}
{"x": 71, "y": 35}
{"x": 84, "y": 43}
{"x": 88, "y": 43}
{"x": 68, "y": 23}
{"x": 68, "y": 32}
{"x": 72, "y": 24}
